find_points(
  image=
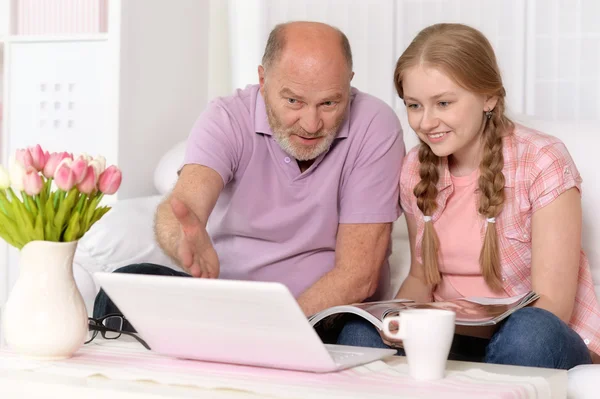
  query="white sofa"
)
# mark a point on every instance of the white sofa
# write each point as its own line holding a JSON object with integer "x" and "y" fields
{"x": 125, "y": 235}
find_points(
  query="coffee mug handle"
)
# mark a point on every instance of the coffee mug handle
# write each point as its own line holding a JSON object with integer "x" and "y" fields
{"x": 386, "y": 327}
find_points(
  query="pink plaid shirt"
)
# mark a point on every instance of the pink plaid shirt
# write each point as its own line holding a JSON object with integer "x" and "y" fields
{"x": 537, "y": 169}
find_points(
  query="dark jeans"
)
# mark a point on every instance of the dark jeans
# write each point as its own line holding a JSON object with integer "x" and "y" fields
{"x": 529, "y": 337}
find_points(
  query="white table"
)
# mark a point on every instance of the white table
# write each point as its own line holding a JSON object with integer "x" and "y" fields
{"x": 24, "y": 384}
{"x": 34, "y": 384}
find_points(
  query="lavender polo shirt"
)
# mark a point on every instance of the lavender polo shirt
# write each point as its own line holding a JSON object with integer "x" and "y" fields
{"x": 273, "y": 223}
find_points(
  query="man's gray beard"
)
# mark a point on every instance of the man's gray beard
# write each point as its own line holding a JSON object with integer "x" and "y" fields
{"x": 302, "y": 154}
{"x": 283, "y": 137}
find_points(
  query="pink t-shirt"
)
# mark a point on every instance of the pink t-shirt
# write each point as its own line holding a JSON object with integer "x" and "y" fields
{"x": 275, "y": 223}
{"x": 460, "y": 230}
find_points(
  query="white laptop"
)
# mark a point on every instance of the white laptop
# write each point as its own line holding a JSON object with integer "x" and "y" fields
{"x": 241, "y": 322}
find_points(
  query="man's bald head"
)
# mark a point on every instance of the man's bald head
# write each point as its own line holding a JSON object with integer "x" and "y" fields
{"x": 306, "y": 36}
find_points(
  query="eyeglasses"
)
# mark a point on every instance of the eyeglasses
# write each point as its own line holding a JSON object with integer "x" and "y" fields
{"x": 111, "y": 327}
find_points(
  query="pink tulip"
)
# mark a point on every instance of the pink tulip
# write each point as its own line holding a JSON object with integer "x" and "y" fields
{"x": 39, "y": 157}
{"x": 64, "y": 176}
{"x": 110, "y": 180}
{"x": 24, "y": 157}
{"x": 79, "y": 168}
{"x": 32, "y": 183}
{"x": 88, "y": 185}
{"x": 53, "y": 160}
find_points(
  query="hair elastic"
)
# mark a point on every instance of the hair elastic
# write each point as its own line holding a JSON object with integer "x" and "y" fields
{"x": 427, "y": 219}
{"x": 491, "y": 220}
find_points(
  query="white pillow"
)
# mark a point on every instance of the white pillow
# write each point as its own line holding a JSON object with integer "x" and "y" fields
{"x": 165, "y": 174}
{"x": 124, "y": 236}
{"x": 399, "y": 258}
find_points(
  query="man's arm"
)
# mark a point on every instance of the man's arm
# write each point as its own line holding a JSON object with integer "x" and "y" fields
{"x": 360, "y": 252}
{"x": 198, "y": 188}
{"x": 368, "y": 205}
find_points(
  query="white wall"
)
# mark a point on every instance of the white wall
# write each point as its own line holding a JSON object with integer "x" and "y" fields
{"x": 219, "y": 50}
{"x": 163, "y": 83}
{"x": 563, "y": 59}
{"x": 246, "y": 40}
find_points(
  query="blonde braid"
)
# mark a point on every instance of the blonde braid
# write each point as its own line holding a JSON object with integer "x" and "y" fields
{"x": 426, "y": 193}
{"x": 491, "y": 187}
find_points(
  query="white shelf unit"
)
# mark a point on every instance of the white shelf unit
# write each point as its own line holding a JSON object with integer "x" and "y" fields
{"x": 128, "y": 94}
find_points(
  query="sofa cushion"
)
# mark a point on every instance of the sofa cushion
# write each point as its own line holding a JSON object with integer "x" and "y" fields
{"x": 400, "y": 258}
{"x": 165, "y": 173}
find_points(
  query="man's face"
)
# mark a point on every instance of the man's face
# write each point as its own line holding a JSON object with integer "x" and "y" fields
{"x": 305, "y": 110}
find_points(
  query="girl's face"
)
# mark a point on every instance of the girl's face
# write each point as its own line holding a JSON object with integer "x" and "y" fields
{"x": 445, "y": 116}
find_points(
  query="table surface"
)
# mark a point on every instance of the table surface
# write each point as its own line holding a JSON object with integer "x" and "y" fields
{"x": 35, "y": 384}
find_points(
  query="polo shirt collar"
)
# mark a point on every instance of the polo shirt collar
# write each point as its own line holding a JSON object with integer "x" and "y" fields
{"x": 261, "y": 121}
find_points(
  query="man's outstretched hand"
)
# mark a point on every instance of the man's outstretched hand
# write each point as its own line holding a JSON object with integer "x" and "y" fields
{"x": 196, "y": 253}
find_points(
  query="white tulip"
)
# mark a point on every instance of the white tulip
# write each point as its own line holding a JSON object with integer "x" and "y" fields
{"x": 17, "y": 174}
{"x": 4, "y": 179}
{"x": 102, "y": 161}
{"x": 99, "y": 165}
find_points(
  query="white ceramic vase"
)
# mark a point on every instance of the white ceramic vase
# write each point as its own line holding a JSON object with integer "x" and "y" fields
{"x": 45, "y": 316}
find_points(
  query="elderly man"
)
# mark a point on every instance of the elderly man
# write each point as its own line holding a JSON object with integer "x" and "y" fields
{"x": 293, "y": 180}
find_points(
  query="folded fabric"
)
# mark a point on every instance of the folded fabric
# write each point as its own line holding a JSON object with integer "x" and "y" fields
{"x": 381, "y": 379}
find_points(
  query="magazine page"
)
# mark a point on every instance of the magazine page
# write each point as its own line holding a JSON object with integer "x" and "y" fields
{"x": 497, "y": 301}
{"x": 336, "y": 310}
{"x": 370, "y": 311}
{"x": 480, "y": 311}
{"x": 472, "y": 311}
{"x": 383, "y": 308}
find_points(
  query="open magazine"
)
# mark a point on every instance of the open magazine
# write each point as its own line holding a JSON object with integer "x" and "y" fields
{"x": 471, "y": 311}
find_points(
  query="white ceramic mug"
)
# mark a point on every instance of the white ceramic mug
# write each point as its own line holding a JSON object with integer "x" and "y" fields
{"x": 426, "y": 335}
